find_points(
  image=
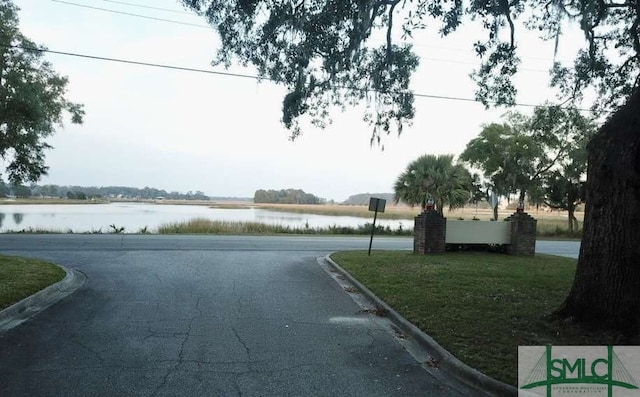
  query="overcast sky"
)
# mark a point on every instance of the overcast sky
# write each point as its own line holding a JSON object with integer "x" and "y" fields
{"x": 222, "y": 135}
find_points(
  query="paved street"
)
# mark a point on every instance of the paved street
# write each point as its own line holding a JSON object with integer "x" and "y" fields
{"x": 204, "y": 315}
{"x": 214, "y": 316}
{"x": 125, "y": 242}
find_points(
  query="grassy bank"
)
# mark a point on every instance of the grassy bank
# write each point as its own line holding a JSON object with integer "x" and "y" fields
{"x": 478, "y": 306}
{"x": 391, "y": 212}
{"x": 550, "y": 224}
{"x": 557, "y": 228}
{"x": 22, "y": 277}
{"x": 207, "y": 226}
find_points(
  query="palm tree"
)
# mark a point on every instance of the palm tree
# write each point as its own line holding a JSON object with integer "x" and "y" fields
{"x": 436, "y": 177}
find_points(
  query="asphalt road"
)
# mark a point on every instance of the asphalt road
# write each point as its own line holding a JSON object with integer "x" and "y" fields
{"x": 126, "y": 242}
{"x": 205, "y": 316}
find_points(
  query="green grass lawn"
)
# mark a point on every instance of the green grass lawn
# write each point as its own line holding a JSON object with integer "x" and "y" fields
{"x": 478, "y": 306}
{"x": 22, "y": 277}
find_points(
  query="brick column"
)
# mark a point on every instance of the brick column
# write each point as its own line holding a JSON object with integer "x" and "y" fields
{"x": 523, "y": 234}
{"x": 429, "y": 232}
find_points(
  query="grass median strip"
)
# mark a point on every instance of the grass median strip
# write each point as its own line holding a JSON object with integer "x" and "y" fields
{"x": 478, "y": 306}
{"x": 22, "y": 277}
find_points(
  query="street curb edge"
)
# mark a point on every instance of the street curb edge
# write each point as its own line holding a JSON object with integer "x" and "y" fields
{"x": 28, "y": 307}
{"x": 448, "y": 361}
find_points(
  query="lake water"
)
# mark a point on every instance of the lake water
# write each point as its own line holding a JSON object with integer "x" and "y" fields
{"x": 134, "y": 216}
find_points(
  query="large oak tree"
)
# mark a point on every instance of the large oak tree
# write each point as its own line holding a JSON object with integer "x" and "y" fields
{"x": 319, "y": 50}
{"x": 32, "y": 101}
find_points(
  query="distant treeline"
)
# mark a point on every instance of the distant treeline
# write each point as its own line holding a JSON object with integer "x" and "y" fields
{"x": 93, "y": 192}
{"x": 363, "y": 198}
{"x": 285, "y": 196}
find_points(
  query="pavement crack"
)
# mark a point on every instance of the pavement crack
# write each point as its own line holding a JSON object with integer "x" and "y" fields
{"x": 180, "y": 358}
{"x": 184, "y": 342}
{"x": 242, "y": 342}
{"x": 94, "y": 352}
{"x": 162, "y": 384}
{"x": 198, "y": 308}
{"x": 165, "y": 335}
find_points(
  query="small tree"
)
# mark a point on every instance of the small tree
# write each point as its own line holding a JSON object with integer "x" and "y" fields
{"x": 505, "y": 155}
{"x": 436, "y": 177}
{"x": 478, "y": 191}
{"x": 564, "y": 188}
{"x": 564, "y": 193}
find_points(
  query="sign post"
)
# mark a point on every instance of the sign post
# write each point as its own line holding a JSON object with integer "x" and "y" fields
{"x": 377, "y": 205}
{"x": 493, "y": 201}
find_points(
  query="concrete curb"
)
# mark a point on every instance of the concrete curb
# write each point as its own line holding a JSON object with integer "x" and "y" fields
{"x": 448, "y": 362}
{"x": 21, "y": 311}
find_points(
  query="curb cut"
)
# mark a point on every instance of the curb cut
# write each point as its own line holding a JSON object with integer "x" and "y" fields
{"x": 449, "y": 363}
{"x": 23, "y": 310}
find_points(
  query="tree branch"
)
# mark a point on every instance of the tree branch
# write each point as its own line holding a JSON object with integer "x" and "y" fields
{"x": 389, "y": 29}
{"x": 625, "y": 64}
{"x": 506, "y": 10}
{"x": 554, "y": 207}
{"x": 551, "y": 163}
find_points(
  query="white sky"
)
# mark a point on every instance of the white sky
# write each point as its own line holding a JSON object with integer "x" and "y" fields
{"x": 222, "y": 135}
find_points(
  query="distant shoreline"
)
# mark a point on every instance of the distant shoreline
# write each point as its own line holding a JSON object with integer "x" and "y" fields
{"x": 48, "y": 201}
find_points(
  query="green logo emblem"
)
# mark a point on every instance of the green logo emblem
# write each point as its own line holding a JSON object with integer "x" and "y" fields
{"x": 606, "y": 372}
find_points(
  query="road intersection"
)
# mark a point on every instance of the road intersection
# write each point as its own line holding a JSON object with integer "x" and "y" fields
{"x": 205, "y": 315}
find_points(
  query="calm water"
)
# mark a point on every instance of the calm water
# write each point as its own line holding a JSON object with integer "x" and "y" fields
{"x": 133, "y": 217}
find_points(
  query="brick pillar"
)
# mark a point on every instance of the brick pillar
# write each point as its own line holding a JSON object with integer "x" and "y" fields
{"x": 523, "y": 234}
{"x": 429, "y": 232}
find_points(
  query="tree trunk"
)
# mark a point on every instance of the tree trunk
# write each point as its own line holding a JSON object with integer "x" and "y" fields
{"x": 606, "y": 287}
{"x": 523, "y": 195}
{"x": 572, "y": 219}
{"x": 495, "y": 213}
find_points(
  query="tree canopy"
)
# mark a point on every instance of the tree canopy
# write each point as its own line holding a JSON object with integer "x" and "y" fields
{"x": 506, "y": 156}
{"x": 437, "y": 178}
{"x": 322, "y": 52}
{"x": 542, "y": 157}
{"x": 520, "y": 154}
{"x": 32, "y": 101}
{"x": 285, "y": 196}
{"x": 315, "y": 48}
